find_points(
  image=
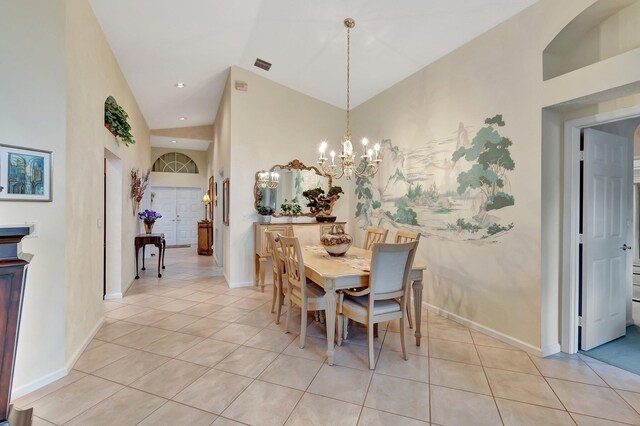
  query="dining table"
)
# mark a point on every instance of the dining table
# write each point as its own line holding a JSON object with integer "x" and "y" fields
{"x": 348, "y": 272}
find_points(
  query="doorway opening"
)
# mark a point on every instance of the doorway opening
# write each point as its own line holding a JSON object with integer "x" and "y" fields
{"x": 602, "y": 236}
{"x": 112, "y": 224}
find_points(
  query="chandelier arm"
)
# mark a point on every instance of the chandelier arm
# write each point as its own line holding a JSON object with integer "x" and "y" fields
{"x": 348, "y": 133}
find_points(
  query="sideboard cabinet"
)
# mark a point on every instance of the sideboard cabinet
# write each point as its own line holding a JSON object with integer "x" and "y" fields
{"x": 262, "y": 252}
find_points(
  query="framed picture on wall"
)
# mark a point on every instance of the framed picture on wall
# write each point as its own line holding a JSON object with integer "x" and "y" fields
{"x": 211, "y": 196}
{"x": 215, "y": 193}
{"x": 25, "y": 174}
{"x": 225, "y": 201}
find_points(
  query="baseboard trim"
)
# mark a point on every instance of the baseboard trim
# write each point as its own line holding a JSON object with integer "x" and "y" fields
{"x": 38, "y": 383}
{"x": 240, "y": 284}
{"x": 60, "y": 373}
{"x": 486, "y": 330}
{"x": 552, "y": 349}
{"x": 71, "y": 362}
{"x": 113, "y": 296}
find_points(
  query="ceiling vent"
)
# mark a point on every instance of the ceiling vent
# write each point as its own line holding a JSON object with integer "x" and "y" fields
{"x": 262, "y": 64}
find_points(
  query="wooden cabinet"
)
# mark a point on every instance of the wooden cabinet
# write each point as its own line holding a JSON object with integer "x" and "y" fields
{"x": 13, "y": 269}
{"x": 205, "y": 238}
{"x": 261, "y": 247}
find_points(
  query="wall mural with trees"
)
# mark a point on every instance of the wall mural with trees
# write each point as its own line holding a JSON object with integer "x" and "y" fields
{"x": 452, "y": 188}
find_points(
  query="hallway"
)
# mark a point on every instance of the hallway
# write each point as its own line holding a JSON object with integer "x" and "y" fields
{"x": 187, "y": 350}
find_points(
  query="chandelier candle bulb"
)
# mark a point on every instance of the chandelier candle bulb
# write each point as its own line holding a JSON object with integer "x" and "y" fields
{"x": 333, "y": 158}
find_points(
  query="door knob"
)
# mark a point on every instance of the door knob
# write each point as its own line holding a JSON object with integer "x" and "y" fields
{"x": 625, "y": 247}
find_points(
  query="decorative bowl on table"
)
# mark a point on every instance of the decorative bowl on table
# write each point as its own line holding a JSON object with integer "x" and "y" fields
{"x": 336, "y": 242}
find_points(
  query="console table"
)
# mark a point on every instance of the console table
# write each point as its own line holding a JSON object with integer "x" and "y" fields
{"x": 262, "y": 252}
{"x": 13, "y": 273}
{"x": 155, "y": 239}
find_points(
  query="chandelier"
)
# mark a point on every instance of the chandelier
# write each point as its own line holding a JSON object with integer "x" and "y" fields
{"x": 270, "y": 180}
{"x": 369, "y": 160}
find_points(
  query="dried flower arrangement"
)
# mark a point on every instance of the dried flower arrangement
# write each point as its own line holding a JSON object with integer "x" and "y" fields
{"x": 139, "y": 182}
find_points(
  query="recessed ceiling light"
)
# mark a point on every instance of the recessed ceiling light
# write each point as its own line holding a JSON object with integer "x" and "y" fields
{"x": 174, "y": 141}
{"x": 180, "y": 85}
{"x": 182, "y": 118}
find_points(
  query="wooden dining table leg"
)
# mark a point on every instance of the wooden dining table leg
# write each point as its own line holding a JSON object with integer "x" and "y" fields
{"x": 417, "y": 300}
{"x": 330, "y": 298}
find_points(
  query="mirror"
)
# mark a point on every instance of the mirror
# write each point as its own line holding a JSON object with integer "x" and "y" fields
{"x": 293, "y": 179}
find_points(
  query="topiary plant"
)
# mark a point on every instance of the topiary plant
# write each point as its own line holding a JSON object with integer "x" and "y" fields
{"x": 115, "y": 119}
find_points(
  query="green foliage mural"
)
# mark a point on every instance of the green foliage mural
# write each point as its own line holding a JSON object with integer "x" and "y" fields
{"x": 490, "y": 152}
{"x": 451, "y": 188}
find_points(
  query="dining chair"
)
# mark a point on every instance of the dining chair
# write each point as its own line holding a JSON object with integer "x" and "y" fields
{"x": 279, "y": 289}
{"x": 375, "y": 235}
{"x": 304, "y": 293}
{"x": 407, "y": 237}
{"x": 385, "y": 298}
{"x": 307, "y": 235}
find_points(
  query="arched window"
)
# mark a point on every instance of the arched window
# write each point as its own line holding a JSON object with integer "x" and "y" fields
{"x": 175, "y": 162}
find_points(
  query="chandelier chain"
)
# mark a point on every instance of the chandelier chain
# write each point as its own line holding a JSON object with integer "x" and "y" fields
{"x": 348, "y": 134}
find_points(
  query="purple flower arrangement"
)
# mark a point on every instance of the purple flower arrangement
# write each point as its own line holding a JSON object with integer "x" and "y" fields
{"x": 149, "y": 215}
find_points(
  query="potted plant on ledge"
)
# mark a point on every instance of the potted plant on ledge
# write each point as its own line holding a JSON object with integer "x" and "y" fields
{"x": 265, "y": 213}
{"x": 321, "y": 205}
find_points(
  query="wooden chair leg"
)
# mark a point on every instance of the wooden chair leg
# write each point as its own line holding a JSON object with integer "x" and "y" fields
{"x": 280, "y": 298}
{"x": 375, "y": 330}
{"x": 402, "y": 333}
{"x": 286, "y": 328}
{"x": 303, "y": 326}
{"x": 370, "y": 327}
{"x": 276, "y": 292}
{"x": 409, "y": 316}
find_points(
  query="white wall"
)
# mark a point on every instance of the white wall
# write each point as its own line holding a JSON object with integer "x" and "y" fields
{"x": 271, "y": 124}
{"x": 33, "y": 109}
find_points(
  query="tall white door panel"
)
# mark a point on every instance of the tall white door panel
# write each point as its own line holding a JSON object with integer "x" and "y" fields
{"x": 606, "y": 217}
{"x": 180, "y": 210}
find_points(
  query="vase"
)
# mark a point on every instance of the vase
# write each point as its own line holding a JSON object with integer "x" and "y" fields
{"x": 265, "y": 219}
{"x": 148, "y": 226}
{"x": 336, "y": 242}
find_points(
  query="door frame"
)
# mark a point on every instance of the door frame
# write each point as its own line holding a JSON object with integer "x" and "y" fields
{"x": 571, "y": 220}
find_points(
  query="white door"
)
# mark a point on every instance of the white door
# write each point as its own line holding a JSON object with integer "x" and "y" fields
{"x": 181, "y": 208}
{"x": 164, "y": 202}
{"x": 607, "y": 193}
{"x": 189, "y": 210}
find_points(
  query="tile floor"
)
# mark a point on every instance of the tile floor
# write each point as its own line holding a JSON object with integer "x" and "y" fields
{"x": 187, "y": 350}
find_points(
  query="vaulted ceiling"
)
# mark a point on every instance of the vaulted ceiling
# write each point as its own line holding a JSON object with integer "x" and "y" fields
{"x": 159, "y": 43}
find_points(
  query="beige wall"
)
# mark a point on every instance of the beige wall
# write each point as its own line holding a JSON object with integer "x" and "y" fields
{"x": 182, "y": 180}
{"x": 93, "y": 74}
{"x": 221, "y": 164}
{"x": 194, "y": 132}
{"x": 510, "y": 287}
{"x": 32, "y": 107}
{"x": 270, "y": 124}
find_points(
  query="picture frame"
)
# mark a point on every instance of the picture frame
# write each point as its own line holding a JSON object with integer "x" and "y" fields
{"x": 215, "y": 193}
{"x": 212, "y": 197}
{"x": 26, "y": 174}
{"x": 225, "y": 202}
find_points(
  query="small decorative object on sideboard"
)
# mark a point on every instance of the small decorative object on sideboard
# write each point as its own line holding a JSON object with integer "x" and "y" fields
{"x": 139, "y": 182}
{"x": 336, "y": 242}
{"x": 265, "y": 214}
{"x": 149, "y": 218}
{"x": 291, "y": 208}
{"x": 321, "y": 205}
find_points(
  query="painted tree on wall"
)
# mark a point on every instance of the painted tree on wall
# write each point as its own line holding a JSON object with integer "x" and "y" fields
{"x": 490, "y": 152}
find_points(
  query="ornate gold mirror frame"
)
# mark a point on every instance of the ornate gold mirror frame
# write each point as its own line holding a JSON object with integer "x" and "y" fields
{"x": 293, "y": 165}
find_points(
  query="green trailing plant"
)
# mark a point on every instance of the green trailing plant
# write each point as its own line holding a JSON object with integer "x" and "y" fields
{"x": 265, "y": 211}
{"x": 319, "y": 203}
{"x": 115, "y": 119}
